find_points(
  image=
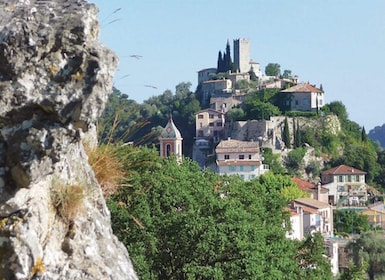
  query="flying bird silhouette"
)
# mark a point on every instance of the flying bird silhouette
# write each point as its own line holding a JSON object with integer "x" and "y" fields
{"x": 137, "y": 56}
{"x": 150, "y": 86}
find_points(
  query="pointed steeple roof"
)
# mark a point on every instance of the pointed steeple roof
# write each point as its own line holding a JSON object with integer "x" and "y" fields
{"x": 170, "y": 131}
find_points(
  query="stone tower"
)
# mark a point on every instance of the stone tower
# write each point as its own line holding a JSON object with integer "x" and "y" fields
{"x": 242, "y": 55}
{"x": 170, "y": 141}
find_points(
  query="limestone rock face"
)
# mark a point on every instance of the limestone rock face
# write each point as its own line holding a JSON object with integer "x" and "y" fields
{"x": 54, "y": 82}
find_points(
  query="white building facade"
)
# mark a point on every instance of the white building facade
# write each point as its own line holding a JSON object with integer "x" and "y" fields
{"x": 240, "y": 158}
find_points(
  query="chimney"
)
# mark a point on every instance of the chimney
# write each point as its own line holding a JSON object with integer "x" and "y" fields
{"x": 318, "y": 191}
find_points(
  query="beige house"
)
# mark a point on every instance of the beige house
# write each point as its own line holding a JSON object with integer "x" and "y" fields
{"x": 309, "y": 215}
{"x": 210, "y": 125}
{"x": 241, "y": 158}
{"x": 346, "y": 186}
{"x": 317, "y": 216}
{"x": 305, "y": 97}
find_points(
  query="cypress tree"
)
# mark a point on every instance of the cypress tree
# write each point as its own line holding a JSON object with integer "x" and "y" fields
{"x": 228, "y": 62}
{"x": 364, "y": 137}
{"x": 298, "y": 136}
{"x": 220, "y": 63}
{"x": 294, "y": 135}
{"x": 286, "y": 134}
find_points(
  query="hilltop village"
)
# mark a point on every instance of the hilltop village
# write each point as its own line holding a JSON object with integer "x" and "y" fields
{"x": 237, "y": 147}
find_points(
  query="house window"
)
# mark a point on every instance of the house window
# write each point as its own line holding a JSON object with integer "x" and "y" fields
{"x": 242, "y": 177}
{"x": 320, "y": 102}
{"x": 357, "y": 178}
{"x": 340, "y": 188}
{"x": 219, "y": 123}
{"x": 211, "y": 116}
{"x": 296, "y": 102}
{"x": 340, "y": 178}
{"x": 349, "y": 178}
{"x": 200, "y": 125}
{"x": 200, "y": 133}
{"x": 241, "y": 168}
{"x": 249, "y": 156}
{"x": 251, "y": 176}
{"x": 232, "y": 168}
{"x": 168, "y": 150}
{"x": 200, "y": 116}
{"x": 304, "y": 101}
{"x": 227, "y": 156}
{"x": 252, "y": 167}
{"x": 219, "y": 116}
{"x": 241, "y": 156}
{"x": 211, "y": 124}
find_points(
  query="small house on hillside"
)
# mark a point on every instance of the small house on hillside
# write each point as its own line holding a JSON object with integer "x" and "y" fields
{"x": 305, "y": 97}
{"x": 346, "y": 186}
{"x": 241, "y": 158}
{"x": 317, "y": 216}
{"x": 210, "y": 125}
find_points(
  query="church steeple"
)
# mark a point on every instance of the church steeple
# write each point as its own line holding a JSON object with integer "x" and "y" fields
{"x": 170, "y": 140}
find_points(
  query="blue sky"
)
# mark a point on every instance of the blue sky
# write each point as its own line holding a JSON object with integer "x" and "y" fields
{"x": 337, "y": 43}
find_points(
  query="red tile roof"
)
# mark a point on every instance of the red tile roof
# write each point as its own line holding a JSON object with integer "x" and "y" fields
{"x": 343, "y": 170}
{"x": 303, "y": 87}
{"x": 303, "y": 184}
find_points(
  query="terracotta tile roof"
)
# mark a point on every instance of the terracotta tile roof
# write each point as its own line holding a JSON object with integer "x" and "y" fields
{"x": 303, "y": 184}
{"x": 343, "y": 170}
{"x": 310, "y": 202}
{"x": 302, "y": 87}
{"x": 237, "y": 146}
{"x": 291, "y": 211}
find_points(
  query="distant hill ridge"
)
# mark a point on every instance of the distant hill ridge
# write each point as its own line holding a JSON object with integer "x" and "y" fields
{"x": 377, "y": 134}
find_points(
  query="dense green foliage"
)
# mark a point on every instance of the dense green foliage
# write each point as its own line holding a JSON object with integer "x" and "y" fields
{"x": 273, "y": 69}
{"x": 181, "y": 223}
{"x": 125, "y": 120}
{"x": 369, "y": 250}
{"x": 350, "y": 222}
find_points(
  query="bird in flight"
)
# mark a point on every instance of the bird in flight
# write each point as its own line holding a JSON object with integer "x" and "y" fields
{"x": 150, "y": 86}
{"x": 137, "y": 56}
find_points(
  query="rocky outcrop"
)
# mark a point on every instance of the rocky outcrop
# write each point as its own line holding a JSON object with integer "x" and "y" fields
{"x": 54, "y": 81}
{"x": 377, "y": 134}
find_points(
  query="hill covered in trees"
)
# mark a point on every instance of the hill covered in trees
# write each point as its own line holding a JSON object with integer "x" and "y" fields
{"x": 127, "y": 121}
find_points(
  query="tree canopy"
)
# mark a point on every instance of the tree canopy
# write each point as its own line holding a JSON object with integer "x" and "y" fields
{"x": 181, "y": 223}
{"x": 273, "y": 69}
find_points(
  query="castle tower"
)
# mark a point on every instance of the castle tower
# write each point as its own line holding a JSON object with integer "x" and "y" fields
{"x": 170, "y": 141}
{"x": 242, "y": 55}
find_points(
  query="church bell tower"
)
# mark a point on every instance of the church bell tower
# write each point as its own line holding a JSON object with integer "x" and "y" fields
{"x": 170, "y": 141}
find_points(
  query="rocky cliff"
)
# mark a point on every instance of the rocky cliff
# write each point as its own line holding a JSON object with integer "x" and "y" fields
{"x": 54, "y": 81}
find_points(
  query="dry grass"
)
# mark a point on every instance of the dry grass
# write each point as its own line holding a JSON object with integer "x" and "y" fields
{"x": 107, "y": 167}
{"x": 38, "y": 267}
{"x": 68, "y": 200}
